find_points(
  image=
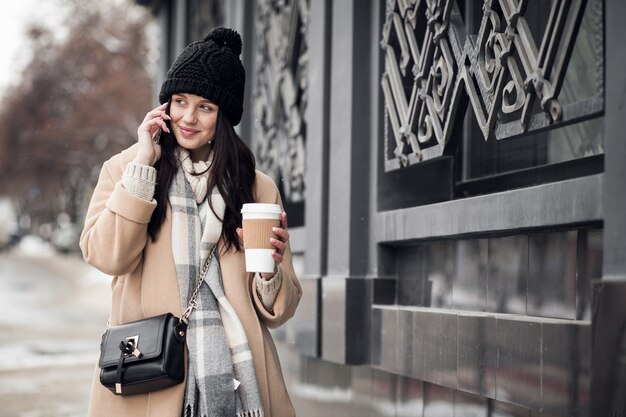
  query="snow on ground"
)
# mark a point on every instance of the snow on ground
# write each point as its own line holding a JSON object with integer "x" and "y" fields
{"x": 53, "y": 309}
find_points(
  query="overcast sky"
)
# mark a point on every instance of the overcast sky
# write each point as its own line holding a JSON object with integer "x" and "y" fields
{"x": 14, "y": 19}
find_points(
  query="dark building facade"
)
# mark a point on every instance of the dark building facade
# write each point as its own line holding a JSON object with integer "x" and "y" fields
{"x": 454, "y": 177}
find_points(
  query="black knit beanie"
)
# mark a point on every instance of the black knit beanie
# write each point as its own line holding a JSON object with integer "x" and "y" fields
{"x": 210, "y": 68}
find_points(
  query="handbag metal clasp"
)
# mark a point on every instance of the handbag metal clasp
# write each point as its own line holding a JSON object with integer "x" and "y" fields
{"x": 134, "y": 342}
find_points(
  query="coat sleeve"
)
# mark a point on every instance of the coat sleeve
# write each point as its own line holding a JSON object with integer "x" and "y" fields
{"x": 116, "y": 224}
{"x": 290, "y": 290}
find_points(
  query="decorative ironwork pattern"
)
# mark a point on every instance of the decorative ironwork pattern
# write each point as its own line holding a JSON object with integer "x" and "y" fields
{"x": 433, "y": 69}
{"x": 281, "y": 93}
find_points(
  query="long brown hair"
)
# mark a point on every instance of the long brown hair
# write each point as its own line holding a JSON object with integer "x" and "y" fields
{"x": 232, "y": 171}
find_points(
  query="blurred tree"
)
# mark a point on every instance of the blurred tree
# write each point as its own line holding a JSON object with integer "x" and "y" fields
{"x": 80, "y": 101}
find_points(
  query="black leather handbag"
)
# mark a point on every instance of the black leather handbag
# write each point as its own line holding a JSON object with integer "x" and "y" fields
{"x": 142, "y": 356}
{"x": 147, "y": 355}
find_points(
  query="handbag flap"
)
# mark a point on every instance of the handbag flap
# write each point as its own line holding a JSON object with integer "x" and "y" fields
{"x": 149, "y": 336}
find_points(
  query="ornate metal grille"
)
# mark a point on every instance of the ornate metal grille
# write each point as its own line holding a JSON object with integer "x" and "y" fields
{"x": 281, "y": 93}
{"x": 433, "y": 69}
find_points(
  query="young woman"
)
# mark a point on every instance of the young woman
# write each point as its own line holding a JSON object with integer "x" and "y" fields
{"x": 158, "y": 210}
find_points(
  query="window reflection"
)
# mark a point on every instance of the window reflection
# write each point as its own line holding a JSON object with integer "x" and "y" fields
{"x": 438, "y": 401}
{"x": 544, "y": 274}
{"x": 440, "y": 270}
{"x": 506, "y": 286}
{"x": 552, "y": 275}
{"x": 202, "y": 15}
{"x": 470, "y": 285}
{"x": 583, "y": 71}
{"x": 410, "y": 286}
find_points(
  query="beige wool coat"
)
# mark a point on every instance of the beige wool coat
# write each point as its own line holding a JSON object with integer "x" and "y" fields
{"x": 144, "y": 284}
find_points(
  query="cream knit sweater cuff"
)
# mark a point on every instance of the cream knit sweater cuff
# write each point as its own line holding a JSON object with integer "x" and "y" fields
{"x": 268, "y": 289}
{"x": 140, "y": 180}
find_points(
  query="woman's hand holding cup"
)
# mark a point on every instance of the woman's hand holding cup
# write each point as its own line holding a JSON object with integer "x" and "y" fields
{"x": 277, "y": 241}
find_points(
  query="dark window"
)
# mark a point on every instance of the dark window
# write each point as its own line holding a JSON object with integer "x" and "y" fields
{"x": 544, "y": 274}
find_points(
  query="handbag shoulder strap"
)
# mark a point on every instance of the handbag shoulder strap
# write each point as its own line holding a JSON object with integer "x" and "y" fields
{"x": 193, "y": 301}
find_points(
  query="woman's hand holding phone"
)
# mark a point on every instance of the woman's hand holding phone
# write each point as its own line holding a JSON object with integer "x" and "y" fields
{"x": 148, "y": 135}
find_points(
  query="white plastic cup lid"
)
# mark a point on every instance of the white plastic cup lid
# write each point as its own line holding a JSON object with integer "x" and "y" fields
{"x": 261, "y": 208}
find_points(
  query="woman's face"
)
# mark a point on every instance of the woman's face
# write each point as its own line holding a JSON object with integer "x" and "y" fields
{"x": 193, "y": 123}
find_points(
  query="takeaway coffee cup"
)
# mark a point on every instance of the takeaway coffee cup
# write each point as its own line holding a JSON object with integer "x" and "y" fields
{"x": 258, "y": 220}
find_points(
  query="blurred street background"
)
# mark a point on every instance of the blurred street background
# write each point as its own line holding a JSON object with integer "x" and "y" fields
{"x": 75, "y": 81}
{"x": 53, "y": 306}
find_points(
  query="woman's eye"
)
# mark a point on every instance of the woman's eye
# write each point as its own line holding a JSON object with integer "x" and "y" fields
{"x": 206, "y": 108}
{"x": 178, "y": 101}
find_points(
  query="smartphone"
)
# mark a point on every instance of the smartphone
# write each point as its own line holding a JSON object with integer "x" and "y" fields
{"x": 157, "y": 136}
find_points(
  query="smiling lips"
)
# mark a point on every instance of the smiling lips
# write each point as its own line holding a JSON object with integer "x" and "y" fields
{"x": 187, "y": 131}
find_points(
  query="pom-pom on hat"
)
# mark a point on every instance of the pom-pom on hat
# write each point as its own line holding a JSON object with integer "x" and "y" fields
{"x": 210, "y": 68}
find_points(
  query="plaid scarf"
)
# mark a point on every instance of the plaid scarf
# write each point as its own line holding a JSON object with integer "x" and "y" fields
{"x": 221, "y": 379}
